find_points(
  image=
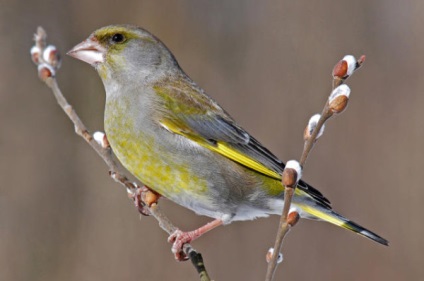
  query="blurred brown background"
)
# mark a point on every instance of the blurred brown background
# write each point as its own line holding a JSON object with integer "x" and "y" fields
{"x": 269, "y": 64}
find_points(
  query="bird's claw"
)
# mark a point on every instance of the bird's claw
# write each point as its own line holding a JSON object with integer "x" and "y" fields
{"x": 178, "y": 238}
{"x": 138, "y": 202}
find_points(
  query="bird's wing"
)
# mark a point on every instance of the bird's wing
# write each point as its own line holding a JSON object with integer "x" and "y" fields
{"x": 191, "y": 113}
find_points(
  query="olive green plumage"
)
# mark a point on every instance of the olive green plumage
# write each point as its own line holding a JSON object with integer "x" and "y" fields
{"x": 178, "y": 141}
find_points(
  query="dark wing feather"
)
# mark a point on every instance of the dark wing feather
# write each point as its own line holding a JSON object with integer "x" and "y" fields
{"x": 217, "y": 128}
{"x": 315, "y": 193}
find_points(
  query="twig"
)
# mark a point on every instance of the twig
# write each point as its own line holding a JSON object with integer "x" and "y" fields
{"x": 289, "y": 180}
{"x": 336, "y": 103}
{"x": 283, "y": 229}
{"x": 48, "y": 64}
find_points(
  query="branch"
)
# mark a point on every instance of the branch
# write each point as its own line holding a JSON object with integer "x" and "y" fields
{"x": 48, "y": 61}
{"x": 336, "y": 103}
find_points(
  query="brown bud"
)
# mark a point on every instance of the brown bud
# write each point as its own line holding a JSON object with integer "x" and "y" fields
{"x": 340, "y": 69}
{"x": 45, "y": 71}
{"x": 289, "y": 177}
{"x": 339, "y": 104}
{"x": 293, "y": 218}
{"x": 150, "y": 197}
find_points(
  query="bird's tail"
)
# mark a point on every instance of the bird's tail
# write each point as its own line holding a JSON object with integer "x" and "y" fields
{"x": 332, "y": 217}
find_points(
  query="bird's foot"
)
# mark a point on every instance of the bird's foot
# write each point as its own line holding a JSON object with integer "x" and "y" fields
{"x": 178, "y": 238}
{"x": 143, "y": 198}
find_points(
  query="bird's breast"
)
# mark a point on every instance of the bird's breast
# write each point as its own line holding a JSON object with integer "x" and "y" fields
{"x": 151, "y": 153}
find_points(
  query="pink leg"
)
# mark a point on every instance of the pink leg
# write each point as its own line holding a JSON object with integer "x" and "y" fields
{"x": 179, "y": 238}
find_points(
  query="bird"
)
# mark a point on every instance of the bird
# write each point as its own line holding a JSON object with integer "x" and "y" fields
{"x": 182, "y": 144}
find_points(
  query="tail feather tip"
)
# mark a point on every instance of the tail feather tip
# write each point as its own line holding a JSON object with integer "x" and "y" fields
{"x": 374, "y": 237}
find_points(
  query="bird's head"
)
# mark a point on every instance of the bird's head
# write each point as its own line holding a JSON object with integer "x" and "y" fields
{"x": 124, "y": 53}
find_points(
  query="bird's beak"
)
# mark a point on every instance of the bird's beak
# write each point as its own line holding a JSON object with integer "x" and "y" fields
{"x": 89, "y": 51}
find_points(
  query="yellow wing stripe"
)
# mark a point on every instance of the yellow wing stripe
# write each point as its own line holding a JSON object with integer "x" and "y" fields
{"x": 224, "y": 150}
{"x": 235, "y": 155}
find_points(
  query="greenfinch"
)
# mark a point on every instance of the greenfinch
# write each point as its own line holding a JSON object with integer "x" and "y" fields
{"x": 179, "y": 142}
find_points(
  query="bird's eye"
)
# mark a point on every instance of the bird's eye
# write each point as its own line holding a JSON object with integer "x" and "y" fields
{"x": 118, "y": 38}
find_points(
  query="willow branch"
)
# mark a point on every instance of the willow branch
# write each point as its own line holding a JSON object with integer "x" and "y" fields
{"x": 336, "y": 103}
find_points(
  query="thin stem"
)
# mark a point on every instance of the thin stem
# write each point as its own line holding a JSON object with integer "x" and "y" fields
{"x": 283, "y": 229}
{"x": 310, "y": 142}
